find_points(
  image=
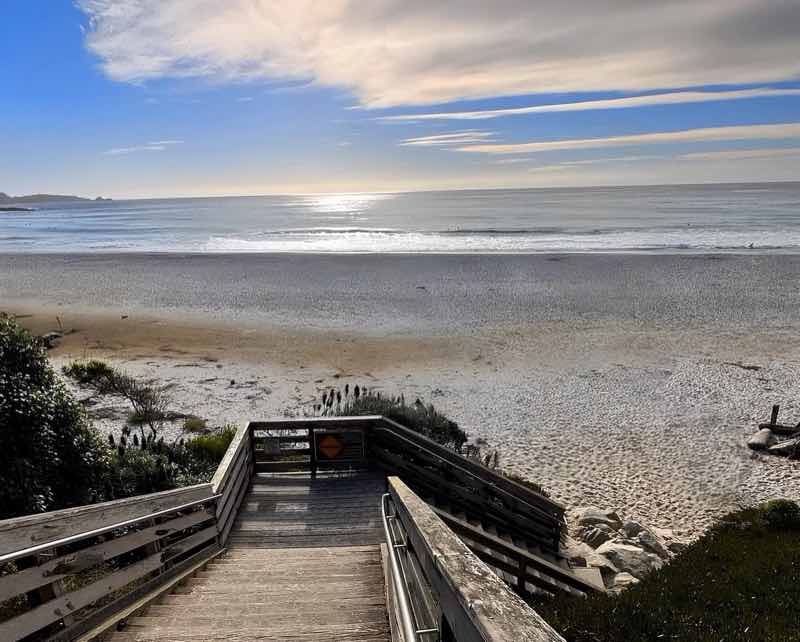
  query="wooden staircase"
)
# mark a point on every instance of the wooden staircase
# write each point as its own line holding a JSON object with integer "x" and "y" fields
{"x": 304, "y": 563}
{"x": 309, "y": 594}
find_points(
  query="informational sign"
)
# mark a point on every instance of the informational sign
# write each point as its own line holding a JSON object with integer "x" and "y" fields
{"x": 339, "y": 446}
{"x": 330, "y": 446}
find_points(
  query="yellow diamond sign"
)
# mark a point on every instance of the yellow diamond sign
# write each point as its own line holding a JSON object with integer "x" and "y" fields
{"x": 330, "y": 446}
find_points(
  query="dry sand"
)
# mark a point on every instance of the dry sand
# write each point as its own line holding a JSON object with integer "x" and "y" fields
{"x": 645, "y": 410}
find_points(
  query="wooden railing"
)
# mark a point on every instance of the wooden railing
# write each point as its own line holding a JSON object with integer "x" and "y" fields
{"x": 439, "y": 474}
{"x": 74, "y": 573}
{"x": 504, "y": 523}
{"x": 77, "y": 572}
{"x": 453, "y": 595}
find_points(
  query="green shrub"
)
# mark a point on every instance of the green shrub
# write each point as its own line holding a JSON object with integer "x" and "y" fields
{"x": 421, "y": 418}
{"x": 737, "y": 583}
{"x": 50, "y": 457}
{"x": 781, "y": 514}
{"x": 92, "y": 372}
{"x": 149, "y": 403}
{"x": 194, "y": 424}
{"x": 211, "y": 448}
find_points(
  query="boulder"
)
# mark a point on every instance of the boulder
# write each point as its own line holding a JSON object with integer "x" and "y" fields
{"x": 631, "y": 528}
{"x": 630, "y": 559}
{"x": 51, "y": 339}
{"x": 583, "y": 555}
{"x": 676, "y": 547}
{"x": 787, "y": 447}
{"x": 622, "y": 581}
{"x": 594, "y": 535}
{"x": 591, "y": 516}
{"x": 649, "y": 542}
{"x": 762, "y": 440}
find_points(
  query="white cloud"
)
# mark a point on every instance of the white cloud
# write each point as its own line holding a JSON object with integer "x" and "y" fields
{"x": 741, "y": 132}
{"x": 670, "y": 98}
{"x": 739, "y": 154}
{"x": 617, "y": 159}
{"x": 453, "y": 138}
{"x": 402, "y": 52}
{"x": 155, "y": 146}
{"x": 548, "y": 168}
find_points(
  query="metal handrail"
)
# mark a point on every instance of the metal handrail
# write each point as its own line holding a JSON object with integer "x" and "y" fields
{"x": 410, "y": 633}
{"x": 44, "y": 546}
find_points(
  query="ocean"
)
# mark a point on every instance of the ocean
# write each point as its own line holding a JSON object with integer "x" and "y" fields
{"x": 759, "y": 218}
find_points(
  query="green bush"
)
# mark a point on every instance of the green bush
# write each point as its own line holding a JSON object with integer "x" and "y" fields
{"x": 92, "y": 372}
{"x": 50, "y": 457}
{"x": 149, "y": 465}
{"x": 211, "y": 448}
{"x": 781, "y": 514}
{"x": 421, "y": 418}
{"x": 194, "y": 424}
{"x": 737, "y": 583}
{"x": 149, "y": 403}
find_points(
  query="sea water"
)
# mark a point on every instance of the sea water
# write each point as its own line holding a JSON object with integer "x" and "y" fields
{"x": 710, "y": 218}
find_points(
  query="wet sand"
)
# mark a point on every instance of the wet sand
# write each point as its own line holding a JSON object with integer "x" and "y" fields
{"x": 609, "y": 379}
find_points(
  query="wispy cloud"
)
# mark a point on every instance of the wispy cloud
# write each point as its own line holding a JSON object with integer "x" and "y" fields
{"x": 155, "y": 146}
{"x": 670, "y": 98}
{"x": 616, "y": 159}
{"x": 741, "y": 132}
{"x": 453, "y": 138}
{"x": 405, "y": 52}
{"x": 244, "y": 99}
{"x": 740, "y": 154}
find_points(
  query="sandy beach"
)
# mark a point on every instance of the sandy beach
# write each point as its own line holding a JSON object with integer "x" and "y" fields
{"x": 614, "y": 380}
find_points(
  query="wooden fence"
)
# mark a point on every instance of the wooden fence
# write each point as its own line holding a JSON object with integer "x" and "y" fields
{"x": 74, "y": 573}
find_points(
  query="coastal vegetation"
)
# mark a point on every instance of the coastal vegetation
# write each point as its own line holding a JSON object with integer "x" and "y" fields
{"x": 420, "y": 417}
{"x": 737, "y": 582}
{"x": 51, "y": 457}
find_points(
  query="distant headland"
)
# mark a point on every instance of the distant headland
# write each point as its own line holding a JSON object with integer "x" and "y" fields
{"x": 6, "y": 200}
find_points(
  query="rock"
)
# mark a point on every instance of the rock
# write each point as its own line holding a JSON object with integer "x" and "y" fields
{"x": 591, "y": 516}
{"x": 630, "y": 559}
{"x": 787, "y": 448}
{"x": 649, "y": 542}
{"x": 594, "y": 535}
{"x": 676, "y": 547}
{"x": 51, "y": 339}
{"x": 762, "y": 440}
{"x": 622, "y": 581}
{"x": 631, "y": 528}
{"x": 583, "y": 555}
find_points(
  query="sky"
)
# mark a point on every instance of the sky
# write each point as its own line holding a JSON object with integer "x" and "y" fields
{"x": 158, "y": 98}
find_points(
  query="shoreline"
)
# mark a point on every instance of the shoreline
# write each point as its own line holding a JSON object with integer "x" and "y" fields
{"x": 547, "y": 254}
{"x": 613, "y": 381}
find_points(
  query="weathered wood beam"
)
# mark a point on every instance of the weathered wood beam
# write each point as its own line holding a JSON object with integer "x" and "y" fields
{"x": 67, "y": 565}
{"x": 477, "y": 605}
{"x": 31, "y": 530}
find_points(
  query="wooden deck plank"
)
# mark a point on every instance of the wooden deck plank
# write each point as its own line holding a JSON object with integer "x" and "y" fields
{"x": 303, "y": 564}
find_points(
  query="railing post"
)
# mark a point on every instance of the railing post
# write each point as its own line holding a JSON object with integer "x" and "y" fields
{"x": 313, "y": 456}
{"x": 523, "y": 567}
{"x": 445, "y": 632}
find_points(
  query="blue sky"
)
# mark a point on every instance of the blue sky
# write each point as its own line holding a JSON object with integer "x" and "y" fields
{"x": 197, "y": 97}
